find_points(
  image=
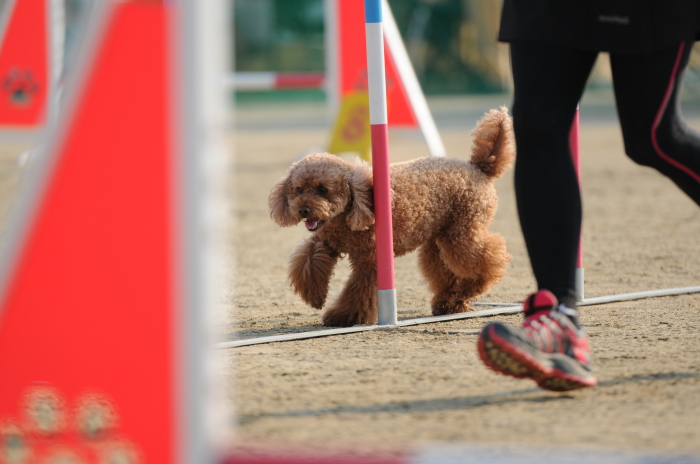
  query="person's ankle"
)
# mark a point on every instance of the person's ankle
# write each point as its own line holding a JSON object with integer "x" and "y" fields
{"x": 572, "y": 314}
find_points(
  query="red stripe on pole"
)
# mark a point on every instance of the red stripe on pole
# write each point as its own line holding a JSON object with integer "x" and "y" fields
{"x": 382, "y": 207}
{"x": 574, "y": 144}
{"x": 299, "y": 81}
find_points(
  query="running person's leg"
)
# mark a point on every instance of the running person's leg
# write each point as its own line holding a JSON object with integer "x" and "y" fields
{"x": 647, "y": 89}
{"x": 548, "y": 83}
{"x": 549, "y": 347}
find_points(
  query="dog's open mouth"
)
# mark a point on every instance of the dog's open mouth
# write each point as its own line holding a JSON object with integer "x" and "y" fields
{"x": 312, "y": 224}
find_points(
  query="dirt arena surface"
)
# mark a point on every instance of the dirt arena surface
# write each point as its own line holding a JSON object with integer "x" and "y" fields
{"x": 404, "y": 388}
{"x": 398, "y": 388}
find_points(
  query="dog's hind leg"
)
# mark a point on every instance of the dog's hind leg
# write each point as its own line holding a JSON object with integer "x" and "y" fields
{"x": 476, "y": 264}
{"x": 310, "y": 270}
{"x": 442, "y": 282}
{"x": 357, "y": 302}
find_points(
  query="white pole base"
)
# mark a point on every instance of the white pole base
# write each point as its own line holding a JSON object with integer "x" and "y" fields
{"x": 386, "y": 301}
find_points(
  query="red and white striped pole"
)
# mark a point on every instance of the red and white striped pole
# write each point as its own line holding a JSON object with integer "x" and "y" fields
{"x": 574, "y": 143}
{"x": 386, "y": 287}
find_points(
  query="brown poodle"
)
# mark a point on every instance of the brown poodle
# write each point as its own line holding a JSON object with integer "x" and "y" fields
{"x": 442, "y": 205}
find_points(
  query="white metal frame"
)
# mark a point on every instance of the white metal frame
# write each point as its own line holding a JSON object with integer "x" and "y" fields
{"x": 201, "y": 53}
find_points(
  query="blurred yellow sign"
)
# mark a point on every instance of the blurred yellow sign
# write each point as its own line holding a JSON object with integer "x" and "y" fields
{"x": 351, "y": 132}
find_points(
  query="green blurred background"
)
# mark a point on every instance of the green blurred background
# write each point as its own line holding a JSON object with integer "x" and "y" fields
{"x": 451, "y": 43}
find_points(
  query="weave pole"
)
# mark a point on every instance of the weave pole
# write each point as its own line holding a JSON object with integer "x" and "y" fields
{"x": 386, "y": 286}
{"x": 574, "y": 144}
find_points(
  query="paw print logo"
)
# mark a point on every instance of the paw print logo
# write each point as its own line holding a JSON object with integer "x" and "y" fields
{"x": 121, "y": 453}
{"x": 45, "y": 411}
{"x": 51, "y": 430}
{"x": 95, "y": 416}
{"x": 360, "y": 83}
{"x": 14, "y": 448}
{"x": 20, "y": 86}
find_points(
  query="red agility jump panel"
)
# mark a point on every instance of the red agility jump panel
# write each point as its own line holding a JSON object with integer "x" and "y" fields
{"x": 86, "y": 320}
{"x": 24, "y": 72}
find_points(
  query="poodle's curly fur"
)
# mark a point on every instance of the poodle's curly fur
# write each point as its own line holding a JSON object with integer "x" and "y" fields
{"x": 441, "y": 205}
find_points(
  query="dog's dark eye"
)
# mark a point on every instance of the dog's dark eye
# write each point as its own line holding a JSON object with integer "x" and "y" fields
{"x": 300, "y": 190}
{"x": 322, "y": 190}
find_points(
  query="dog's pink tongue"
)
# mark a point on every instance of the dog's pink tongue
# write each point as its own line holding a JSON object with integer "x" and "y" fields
{"x": 311, "y": 225}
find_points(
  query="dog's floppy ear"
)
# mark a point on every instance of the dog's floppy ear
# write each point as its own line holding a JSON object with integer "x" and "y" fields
{"x": 361, "y": 214}
{"x": 279, "y": 207}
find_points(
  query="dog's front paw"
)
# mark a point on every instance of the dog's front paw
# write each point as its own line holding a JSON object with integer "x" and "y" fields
{"x": 310, "y": 270}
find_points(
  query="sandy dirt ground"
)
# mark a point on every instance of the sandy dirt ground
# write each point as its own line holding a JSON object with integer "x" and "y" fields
{"x": 405, "y": 388}
{"x": 399, "y": 388}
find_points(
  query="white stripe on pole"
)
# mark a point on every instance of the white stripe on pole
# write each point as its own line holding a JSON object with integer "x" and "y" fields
{"x": 250, "y": 80}
{"x": 375, "y": 74}
{"x": 332, "y": 44}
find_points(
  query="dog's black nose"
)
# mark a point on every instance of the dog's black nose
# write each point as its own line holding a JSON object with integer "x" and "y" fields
{"x": 304, "y": 211}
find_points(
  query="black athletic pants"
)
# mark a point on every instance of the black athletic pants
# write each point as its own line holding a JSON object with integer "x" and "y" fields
{"x": 549, "y": 81}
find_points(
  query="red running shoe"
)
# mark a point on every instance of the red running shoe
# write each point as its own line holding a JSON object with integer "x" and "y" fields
{"x": 547, "y": 348}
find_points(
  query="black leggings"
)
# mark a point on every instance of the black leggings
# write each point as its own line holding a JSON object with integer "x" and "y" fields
{"x": 549, "y": 81}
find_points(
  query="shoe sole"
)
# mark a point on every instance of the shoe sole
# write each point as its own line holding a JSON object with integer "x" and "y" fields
{"x": 554, "y": 372}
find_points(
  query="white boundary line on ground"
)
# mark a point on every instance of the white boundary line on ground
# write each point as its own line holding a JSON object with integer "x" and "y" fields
{"x": 451, "y": 317}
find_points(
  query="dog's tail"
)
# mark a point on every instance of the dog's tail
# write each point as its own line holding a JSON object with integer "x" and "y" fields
{"x": 493, "y": 147}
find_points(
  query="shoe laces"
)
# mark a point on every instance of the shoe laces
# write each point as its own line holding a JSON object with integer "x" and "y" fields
{"x": 551, "y": 331}
{"x": 545, "y": 332}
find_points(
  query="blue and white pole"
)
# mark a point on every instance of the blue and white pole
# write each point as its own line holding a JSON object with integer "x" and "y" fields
{"x": 386, "y": 286}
